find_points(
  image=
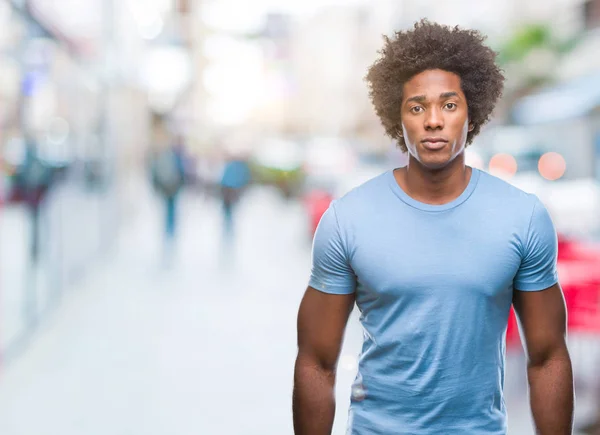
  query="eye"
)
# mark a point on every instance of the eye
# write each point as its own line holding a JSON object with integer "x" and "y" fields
{"x": 416, "y": 109}
{"x": 451, "y": 106}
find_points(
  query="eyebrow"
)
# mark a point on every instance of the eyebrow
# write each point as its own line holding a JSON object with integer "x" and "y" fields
{"x": 422, "y": 98}
{"x": 449, "y": 94}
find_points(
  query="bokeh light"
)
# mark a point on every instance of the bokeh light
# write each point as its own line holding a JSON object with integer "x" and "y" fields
{"x": 552, "y": 166}
{"x": 503, "y": 165}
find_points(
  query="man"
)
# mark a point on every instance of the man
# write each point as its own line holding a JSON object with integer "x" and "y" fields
{"x": 433, "y": 254}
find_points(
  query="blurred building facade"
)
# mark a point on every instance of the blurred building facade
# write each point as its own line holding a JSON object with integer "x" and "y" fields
{"x": 74, "y": 82}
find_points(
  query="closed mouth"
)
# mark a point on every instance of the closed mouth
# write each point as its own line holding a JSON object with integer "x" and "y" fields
{"x": 434, "y": 140}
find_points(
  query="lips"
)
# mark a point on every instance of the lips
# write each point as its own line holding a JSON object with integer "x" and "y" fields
{"x": 434, "y": 143}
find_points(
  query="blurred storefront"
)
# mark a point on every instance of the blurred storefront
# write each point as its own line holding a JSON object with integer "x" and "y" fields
{"x": 70, "y": 94}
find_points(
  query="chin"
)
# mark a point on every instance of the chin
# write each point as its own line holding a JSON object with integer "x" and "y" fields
{"x": 435, "y": 161}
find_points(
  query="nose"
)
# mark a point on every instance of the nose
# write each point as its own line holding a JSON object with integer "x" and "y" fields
{"x": 434, "y": 119}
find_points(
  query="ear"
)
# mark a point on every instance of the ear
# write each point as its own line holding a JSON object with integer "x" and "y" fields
{"x": 471, "y": 127}
{"x": 399, "y": 132}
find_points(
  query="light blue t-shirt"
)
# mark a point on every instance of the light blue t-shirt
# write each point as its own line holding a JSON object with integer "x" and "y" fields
{"x": 434, "y": 287}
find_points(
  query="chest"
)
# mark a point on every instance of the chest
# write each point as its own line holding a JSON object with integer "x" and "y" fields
{"x": 436, "y": 255}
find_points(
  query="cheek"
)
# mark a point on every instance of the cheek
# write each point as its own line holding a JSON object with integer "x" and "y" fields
{"x": 410, "y": 132}
{"x": 461, "y": 127}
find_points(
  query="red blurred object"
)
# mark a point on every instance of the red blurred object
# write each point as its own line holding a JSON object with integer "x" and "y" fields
{"x": 316, "y": 202}
{"x": 579, "y": 275}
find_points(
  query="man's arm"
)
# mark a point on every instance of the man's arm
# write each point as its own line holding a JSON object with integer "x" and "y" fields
{"x": 322, "y": 320}
{"x": 542, "y": 316}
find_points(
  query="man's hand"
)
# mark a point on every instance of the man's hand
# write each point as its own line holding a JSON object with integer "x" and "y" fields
{"x": 321, "y": 324}
{"x": 542, "y": 316}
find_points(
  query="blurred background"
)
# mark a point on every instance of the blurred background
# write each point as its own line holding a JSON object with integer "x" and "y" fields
{"x": 164, "y": 164}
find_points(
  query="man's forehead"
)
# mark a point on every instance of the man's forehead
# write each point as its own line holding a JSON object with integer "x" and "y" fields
{"x": 433, "y": 84}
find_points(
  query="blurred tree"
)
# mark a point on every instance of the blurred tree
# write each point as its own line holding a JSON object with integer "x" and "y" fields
{"x": 534, "y": 37}
{"x": 529, "y": 57}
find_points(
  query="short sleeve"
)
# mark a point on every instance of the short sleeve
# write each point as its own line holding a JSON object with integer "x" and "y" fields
{"x": 331, "y": 271}
{"x": 538, "y": 265}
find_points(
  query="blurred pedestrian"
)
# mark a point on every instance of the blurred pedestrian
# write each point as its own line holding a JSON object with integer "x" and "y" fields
{"x": 168, "y": 178}
{"x": 33, "y": 179}
{"x": 433, "y": 254}
{"x": 234, "y": 180}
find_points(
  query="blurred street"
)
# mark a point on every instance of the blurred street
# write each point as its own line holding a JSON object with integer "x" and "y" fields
{"x": 165, "y": 163}
{"x": 204, "y": 346}
{"x": 150, "y": 350}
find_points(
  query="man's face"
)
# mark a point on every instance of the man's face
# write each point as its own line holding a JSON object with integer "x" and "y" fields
{"x": 435, "y": 118}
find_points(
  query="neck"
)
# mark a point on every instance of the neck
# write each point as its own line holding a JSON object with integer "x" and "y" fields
{"x": 435, "y": 186}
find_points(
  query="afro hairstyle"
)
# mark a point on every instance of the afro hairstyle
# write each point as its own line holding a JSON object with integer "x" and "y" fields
{"x": 431, "y": 46}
